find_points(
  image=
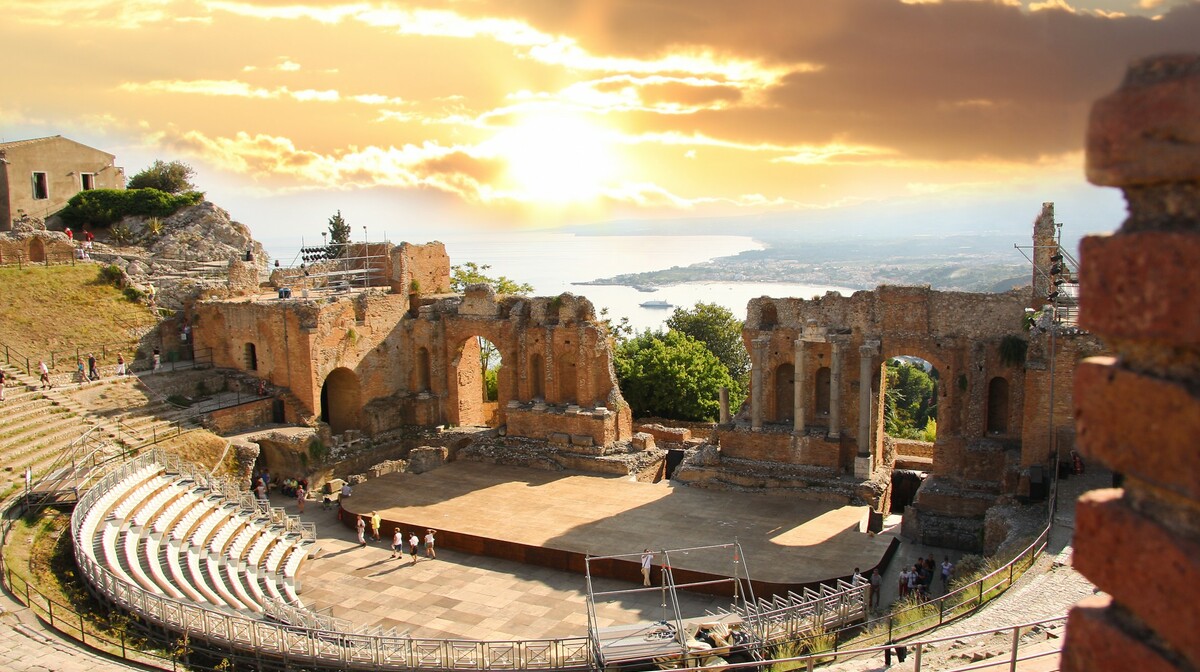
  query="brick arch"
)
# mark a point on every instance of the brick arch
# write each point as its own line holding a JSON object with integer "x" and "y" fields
{"x": 37, "y": 250}
{"x": 341, "y": 400}
{"x": 471, "y": 407}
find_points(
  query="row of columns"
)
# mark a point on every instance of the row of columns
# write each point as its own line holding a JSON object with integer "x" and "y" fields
{"x": 868, "y": 352}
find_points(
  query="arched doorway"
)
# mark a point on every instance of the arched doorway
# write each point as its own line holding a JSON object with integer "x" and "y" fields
{"x": 908, "y": 385}
{"x": 537, "y": 378}
{"x": 479, "y": 383}
{"x": 424, "y": 366}
{"x": 340, "y": 400}
{"x": 785, "y": 392}
{"x": 37, "y": 250}
{"x": 997, "y": 406}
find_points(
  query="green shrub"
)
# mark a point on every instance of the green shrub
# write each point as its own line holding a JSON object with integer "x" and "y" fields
{"x": 134, "y": 294}
{"x": 111, "y": 274}
{"x": 104, "y": 207}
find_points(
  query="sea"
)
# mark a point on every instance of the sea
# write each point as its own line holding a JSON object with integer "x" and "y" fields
{"x": 555, "y": 262}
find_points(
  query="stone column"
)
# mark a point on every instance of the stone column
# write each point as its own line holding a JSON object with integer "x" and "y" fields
{"x": 757, "y": 363}
{"x": 835, "y": 390}
{"x": 866, "y": 415}
{"x": 1137, "y": 412}
{"x": 798, "y": 410}
{"x": 723, "y": 400}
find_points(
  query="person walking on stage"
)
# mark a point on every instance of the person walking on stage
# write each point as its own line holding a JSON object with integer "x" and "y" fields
{"x": 429, "y": 552}
{"x": 398, "y": 544}
{"x": 45, "y": 371}
{"x": 647, "y": 557}
{"x": 375, "y": 521}
{"x": 362, "y": 531}
{"x": 412, "y": 545}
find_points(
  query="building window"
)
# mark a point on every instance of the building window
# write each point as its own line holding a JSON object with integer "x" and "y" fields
{"x": 251, "y": 357}
{"x": 87, "y": 181}
{"x": 41, "y": 187}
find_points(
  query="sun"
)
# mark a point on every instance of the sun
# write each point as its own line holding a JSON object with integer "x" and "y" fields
{"x": 556, "y": 159}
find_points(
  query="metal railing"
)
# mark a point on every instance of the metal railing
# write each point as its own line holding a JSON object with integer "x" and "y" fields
{"x": 48, "y": 259}
{"x": 306, "y": 643}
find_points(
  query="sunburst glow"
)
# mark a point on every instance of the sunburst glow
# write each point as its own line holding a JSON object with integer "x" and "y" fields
{"x": 556, "y": 159}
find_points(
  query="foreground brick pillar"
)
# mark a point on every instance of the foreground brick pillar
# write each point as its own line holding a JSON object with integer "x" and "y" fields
{"x": 1139, "y": 412}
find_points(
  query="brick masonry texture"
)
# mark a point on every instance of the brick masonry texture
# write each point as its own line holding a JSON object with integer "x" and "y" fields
{"x": 1135, "y": 412}
{"x": 1132, "y": 287}
{"x": 1111, "y": 539}
{"x": 1118, "y": 410}
{"x": 1104, "y": 645}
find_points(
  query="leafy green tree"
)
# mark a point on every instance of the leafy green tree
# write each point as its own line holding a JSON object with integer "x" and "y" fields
{"x": 910, "y": 403}
{"x": 339, "y": 233}
{"x": 472, "y": 273}
{"x": 173, "y": 177}
{"x": 672, "y": 375}
{"x": 719, "y": 331}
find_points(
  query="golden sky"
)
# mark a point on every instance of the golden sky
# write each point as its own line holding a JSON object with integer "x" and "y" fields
{"x": 544, "y": 112}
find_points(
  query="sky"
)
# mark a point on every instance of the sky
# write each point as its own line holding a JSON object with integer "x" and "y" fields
{"x": 439, "y": 115}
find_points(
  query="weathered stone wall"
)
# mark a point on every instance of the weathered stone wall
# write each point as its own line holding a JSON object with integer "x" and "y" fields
{"x": 366, "y": 361}
{"x": 1138, "y": 412}
{"x": 241, "y": 417}
{"x": 33, "y": 247}
{"x": 419, "y": 269}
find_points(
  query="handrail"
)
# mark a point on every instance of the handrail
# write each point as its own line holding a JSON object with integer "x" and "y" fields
{"x": 307, "y": 641}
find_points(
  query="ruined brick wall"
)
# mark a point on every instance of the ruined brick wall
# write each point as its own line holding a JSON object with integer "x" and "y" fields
{"x": 35, "y": 247}
{"x": 1138, "y": 412}
{"x": 959, "y": 333}
{"x": 419, "y": 269}
{"x": 241, "y": 417}
{"x": 380, "y": 366}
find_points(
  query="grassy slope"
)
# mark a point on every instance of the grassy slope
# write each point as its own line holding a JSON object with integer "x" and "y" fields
{"x": 61, "y": 308}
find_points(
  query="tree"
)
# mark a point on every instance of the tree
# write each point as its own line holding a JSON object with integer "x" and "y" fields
{"x": 339, "y": 233}
{"x": 174, "y": 177}
{"x": 672, "y": 375}
{"x": 910, "y": 403}
{"x": 471, "y": 273}
{"x": 720, "y": 332}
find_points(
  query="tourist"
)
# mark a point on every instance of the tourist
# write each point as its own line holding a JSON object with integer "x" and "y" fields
{"x": 157, "y": 362}
{"x": 79, "y": 373}
{"x": 2, "y": 381}
{"x": 88, "y": 239}
{"x": 375, "y": 520}
{"x": 266, "y": 478}
{"x": 45, "y": 373}
{"x": 345, "y": 490}
{"x": 914, "y": 580}
{"x": 857, "y": 578}
{"x": 361, "y": 525}
{"x": 397, "y": 543}
{"x": 429, "y": 552}
{"x": 120, "y": 364}
{"x": 93, "y": 373}
{"x": 876, "y": 586}
{"x": 300, "y": 495}
{"x": 647, "y": 558}
{"x": 412, "y": 545}
{"x": 902, "y": 583}
{"x": 947, "y": 572}
{"x": 260, "y": 490}
{"x": 927, "y": 577}
{"x": 70, "y": 234}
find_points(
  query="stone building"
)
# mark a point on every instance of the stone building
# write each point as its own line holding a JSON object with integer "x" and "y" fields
{"x": 405, "y": 352}
{"x": 38, "y": 176}
{"x": 814, "y": 421}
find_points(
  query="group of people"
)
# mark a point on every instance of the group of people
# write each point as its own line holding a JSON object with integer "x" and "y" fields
{"x": 83, "y": 373}
{"x": 414, "y": 542}
{"x": 918, "y": 579}
{"x": 85, "y": 247}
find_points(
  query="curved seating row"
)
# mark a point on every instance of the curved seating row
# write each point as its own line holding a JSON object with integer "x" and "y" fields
{"x": 172, "y": 536}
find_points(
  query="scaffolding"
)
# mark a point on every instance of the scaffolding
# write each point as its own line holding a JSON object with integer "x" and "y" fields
{"x": 341, "y": 267}
{"x": 673, "y": 636}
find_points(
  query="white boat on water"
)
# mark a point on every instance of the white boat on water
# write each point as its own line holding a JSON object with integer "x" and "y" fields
{"x": 656, "y": 304}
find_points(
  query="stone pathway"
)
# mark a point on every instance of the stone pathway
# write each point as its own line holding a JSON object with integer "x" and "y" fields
{"x": 27, "y": 646}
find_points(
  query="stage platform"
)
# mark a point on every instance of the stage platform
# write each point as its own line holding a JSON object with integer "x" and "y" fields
{"x": 556, "y": 519}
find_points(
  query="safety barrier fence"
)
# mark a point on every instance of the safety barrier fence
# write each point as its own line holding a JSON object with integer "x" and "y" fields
{"x": 276, "y": 644}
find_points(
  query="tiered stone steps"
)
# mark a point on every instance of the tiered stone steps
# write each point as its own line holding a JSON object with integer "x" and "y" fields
{"x": 165, "y": 534}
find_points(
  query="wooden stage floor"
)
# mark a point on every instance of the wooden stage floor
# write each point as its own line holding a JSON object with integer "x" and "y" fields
{"x": 554, "y": 519}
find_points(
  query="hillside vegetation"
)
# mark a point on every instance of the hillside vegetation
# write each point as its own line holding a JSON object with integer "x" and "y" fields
{"x": 58, "y": 309}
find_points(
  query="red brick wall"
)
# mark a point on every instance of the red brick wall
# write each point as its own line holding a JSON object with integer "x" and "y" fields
{"x": 1138, "y": 412}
